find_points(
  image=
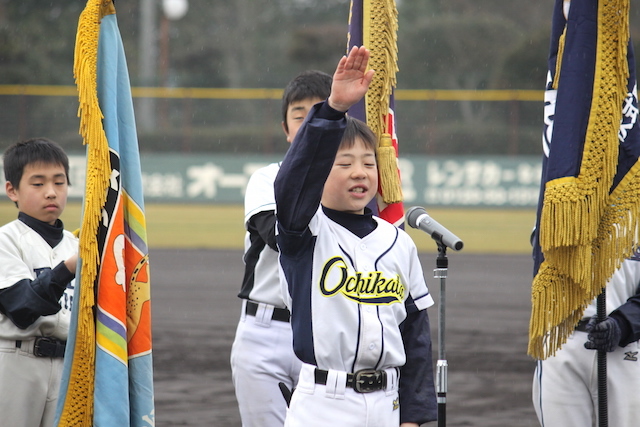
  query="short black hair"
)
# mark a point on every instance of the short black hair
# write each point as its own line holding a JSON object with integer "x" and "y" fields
{"x": 31, "y": 151}
{"x": 358, "y": 129}
{"x": 306, "y": 85}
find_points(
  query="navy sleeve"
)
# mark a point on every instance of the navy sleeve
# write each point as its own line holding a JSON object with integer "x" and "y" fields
{"x": 628, "y": 317}
{"x": 27, "y": 300}
{"x": 416, "y": 389}
{"x": 264, "y": 225}
{"x": 306, "y": 166}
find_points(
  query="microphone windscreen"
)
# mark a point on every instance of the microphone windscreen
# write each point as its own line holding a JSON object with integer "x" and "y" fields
{"x": 413, "y": 214}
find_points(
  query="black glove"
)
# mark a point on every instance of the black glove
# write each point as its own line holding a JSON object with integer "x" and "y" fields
{"x": 604, "y": 335}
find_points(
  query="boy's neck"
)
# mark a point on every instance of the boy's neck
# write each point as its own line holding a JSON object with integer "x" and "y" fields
{"x": 360, "y": 225}
{"x": 52, "y": 234}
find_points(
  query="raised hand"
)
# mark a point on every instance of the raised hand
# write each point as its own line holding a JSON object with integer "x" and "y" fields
{"x": 351, "y": 79}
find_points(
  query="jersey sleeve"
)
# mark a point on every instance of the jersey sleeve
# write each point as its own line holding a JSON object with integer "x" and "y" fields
{"x": 418, "y": 289}
{"x": 10, "y": 256}
{"x": 259, "y": 195}
{"x": 263, "y": 225}
{"x": 23, "y": 298}
{"x": 416, "y": 388}
{"x": 306, "y": 166}
{"x": 628, "y": 314}
{"x": 27, "y": 300}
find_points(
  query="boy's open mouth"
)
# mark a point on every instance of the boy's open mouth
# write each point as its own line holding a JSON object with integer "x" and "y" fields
{"x": 358, "y": 190}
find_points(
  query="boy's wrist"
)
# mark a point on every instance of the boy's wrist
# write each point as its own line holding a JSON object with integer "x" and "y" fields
{"x": 62, "y": 275}
{"x": 343, "y": 108}
{"x": 326, "y": 111}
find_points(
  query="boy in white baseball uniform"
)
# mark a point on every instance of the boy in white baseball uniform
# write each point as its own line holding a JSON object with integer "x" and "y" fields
{"x": 262, "y": 352}
{"x": 353, "y": 282}
{"x": 565, "y": 386}
{"x": 38, "y": 259}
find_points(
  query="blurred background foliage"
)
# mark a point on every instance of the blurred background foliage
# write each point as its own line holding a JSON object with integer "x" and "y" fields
{"x": 443, "y": 45}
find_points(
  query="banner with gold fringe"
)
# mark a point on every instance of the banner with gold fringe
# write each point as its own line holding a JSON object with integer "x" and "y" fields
{"x": 374, "y": 24}
{"x": 108, "y": 375}
{"x": 587, "y": 220}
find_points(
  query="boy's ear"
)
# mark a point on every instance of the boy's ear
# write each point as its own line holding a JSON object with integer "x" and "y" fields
{"x": 11, "y": 191}
{"x": 286, "y": 132}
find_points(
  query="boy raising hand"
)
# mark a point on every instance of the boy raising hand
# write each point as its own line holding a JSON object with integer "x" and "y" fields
{"x": 352, "y": 281}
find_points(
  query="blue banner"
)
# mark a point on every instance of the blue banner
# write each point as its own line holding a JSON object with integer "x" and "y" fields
{"x": 108, "y": 375}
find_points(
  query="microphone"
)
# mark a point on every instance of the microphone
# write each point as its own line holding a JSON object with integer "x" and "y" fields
{"x": 417, "y": 217}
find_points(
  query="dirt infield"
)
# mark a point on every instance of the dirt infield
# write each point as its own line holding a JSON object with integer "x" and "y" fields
{"x": 195, "y": 312}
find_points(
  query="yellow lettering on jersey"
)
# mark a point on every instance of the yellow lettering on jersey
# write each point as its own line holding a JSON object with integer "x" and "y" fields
{"x": 365, "y": 288}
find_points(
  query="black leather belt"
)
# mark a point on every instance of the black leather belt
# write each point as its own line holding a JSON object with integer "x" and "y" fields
{"x": 280, "y": 314}
{"x": 46, "y": 347}
{"x": 363, "y": 381}
{"x": 582, "y": 324}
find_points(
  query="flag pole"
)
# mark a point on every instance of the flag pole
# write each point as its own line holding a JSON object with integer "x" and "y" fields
{"x": 589, "y": 208}
{"x": 108, "y": 375}
{"x": 603, "y": 403}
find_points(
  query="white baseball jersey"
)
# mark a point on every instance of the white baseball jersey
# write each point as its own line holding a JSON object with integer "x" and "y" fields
{"x": 24, "y": 254}
{"x": 565, "y": 386}
{"x": 261, "y": 283}
{"x": 29, "y": 386}
{"x": 262, "y": 352}
{"x": 347, "y": 295}
{"x": 622, "y": 286}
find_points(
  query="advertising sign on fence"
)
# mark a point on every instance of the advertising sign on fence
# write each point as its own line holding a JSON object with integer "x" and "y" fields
{"x": 456, "y": 181}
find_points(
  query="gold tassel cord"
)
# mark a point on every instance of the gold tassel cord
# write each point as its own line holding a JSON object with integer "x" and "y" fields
{"x": 380, "y": 28}
{"x": 388, "y": 170}
{"x": 78, "y": 405}
{"x": 580, "y": 252}
{"x": 556, "y": 76}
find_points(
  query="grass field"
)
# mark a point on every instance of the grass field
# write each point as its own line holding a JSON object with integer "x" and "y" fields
{"x": 503, "y": 231}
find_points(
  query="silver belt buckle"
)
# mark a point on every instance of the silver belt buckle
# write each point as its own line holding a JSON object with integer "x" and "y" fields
{"x": 369, "y": 380}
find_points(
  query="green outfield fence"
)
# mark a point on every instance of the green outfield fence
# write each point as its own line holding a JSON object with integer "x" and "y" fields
{"x": 236, "y": 121}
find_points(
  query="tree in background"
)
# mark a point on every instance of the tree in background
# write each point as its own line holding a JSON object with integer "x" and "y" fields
{"x": 36, "y": 42}
{"x": 452, "y": 44}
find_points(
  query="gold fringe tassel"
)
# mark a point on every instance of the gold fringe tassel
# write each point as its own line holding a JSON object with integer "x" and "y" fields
{"x": 556, "y": 76}
{"x": 380, "y": 28}
{"x": 553, "y": 295}
{"x": 388, "y": 170}
{"x": 78, "y": 407}
{"x": 577, "y": 231}
{"x": 619, "y": 233}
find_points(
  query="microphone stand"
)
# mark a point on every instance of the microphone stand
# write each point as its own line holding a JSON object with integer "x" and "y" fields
{"x": 417, "y": 217}
{"x": 442, "y": 265}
